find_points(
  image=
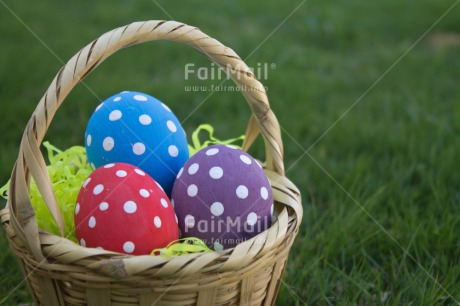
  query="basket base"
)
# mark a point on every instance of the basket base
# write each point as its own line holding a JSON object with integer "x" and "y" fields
{"x": 58, "y": 284}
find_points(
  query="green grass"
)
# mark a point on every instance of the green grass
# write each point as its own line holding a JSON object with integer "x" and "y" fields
{"x": 380, "y": 190}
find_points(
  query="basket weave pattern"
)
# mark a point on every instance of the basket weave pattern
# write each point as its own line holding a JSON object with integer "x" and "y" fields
{"x": 59, "y": 272}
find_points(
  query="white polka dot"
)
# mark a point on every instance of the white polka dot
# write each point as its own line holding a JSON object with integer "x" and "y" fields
{"x": 218, "y": 247}
{"x": 252, "y": 218}
{"x": 166, "y": 107}
{"x": 242, "y": 192}
{"x": 140, "y": 98}
{"x": 272, "y": 210}
{"x": 217, "y": 209}
{"x": 212, "y": 151}
{"x": 99, "y": 106}
{"x": 264, "y": 193}
{"x": 138, "y": 148}
{"x": 193, "y": 168}
{"x": 189, "y": 221}
{"x": 109, "y": 166}
{"x": 82, "y": 242}
{"x": 92, "y": 222}
{"x": 164, "y": 203}
{"x": 231, "y": 147}
{"x": 128, "y": 247}
{"x": 180, "y": 172}
{"x": 87, "y": 182}
{"x": 115, "y": 115}
{"x": 144, "y": 193}
{"x": 173, "y": 151}
{"x": 172, "y": 202}
{"x": 192, "y": 190}
{"x": 216, "y": 172}
{"x": 125, "y": 91}
{"x": 140, "y": 172}
{"x": 171, "y": 126}
{"x": 104, "y": 206}
{"x": 108, "y": 143}
{"x": 245, "y": 159}
{"x": 121, "y": 173}
{"x": 88, "y": 140}
{"x": 77, "y": 208}
{"x": 92, "y": 166}
{"x": 117, "y": 99}
{"x": 130, "y": 207}
{"x": 145, "y": 119}
{"x": 157, "y": 222}
{"x": 98, "y": 189}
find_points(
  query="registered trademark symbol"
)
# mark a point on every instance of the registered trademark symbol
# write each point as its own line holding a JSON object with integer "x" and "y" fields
{"x": 272, "y": 65}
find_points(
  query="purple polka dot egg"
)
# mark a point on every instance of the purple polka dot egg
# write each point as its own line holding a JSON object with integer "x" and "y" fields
{"x": 222, "y": 196}
{"x": 137, "y": 129}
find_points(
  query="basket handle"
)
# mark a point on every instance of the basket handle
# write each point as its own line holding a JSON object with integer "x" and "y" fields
{"x": 30, "y": 160}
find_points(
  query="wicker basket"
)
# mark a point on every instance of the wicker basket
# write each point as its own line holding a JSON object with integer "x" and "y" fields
{"x": 60, "y": 272}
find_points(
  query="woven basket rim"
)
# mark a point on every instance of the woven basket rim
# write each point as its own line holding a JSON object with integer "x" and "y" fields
{"x": 55, "y": 246}
{"x": 218, "y": 257}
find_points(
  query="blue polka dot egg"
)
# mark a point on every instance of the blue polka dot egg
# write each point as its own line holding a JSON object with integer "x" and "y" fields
{"x": 138, "y": 129}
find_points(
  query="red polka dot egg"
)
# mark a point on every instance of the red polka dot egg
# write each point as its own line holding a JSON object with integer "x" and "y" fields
{"x": 222, "y": 196}
{"x": 121, "y": 208}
